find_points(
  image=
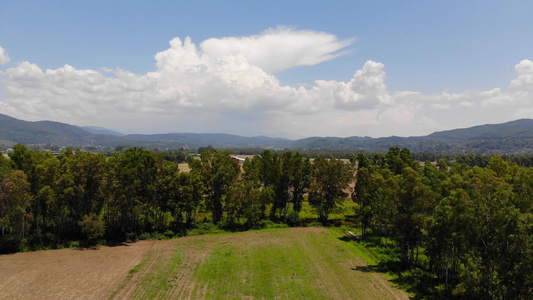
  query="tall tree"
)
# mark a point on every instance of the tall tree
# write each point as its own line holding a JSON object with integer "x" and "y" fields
{"x": 129, "y": 185}
{"x": 219, "y": 172}
{"x": 330, "y": 179}
{"x": 416, "y": 201}
{"x": 300, "y": 179}
{"x": 15, "y": 201}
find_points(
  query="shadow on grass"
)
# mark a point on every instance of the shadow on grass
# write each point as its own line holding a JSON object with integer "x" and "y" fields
{"x": 388, "y": 265}
{"x": 348, "y": 239}
{"x": 369, "y": 269}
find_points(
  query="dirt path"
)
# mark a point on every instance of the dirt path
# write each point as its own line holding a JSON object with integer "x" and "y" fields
{"x": 69, "y": 273}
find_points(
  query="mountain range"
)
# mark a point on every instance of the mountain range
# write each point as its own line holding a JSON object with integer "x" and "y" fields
{"x": 515, "y": 137}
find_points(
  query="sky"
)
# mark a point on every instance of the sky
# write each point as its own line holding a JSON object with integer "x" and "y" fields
{"x": 276, "y": 68}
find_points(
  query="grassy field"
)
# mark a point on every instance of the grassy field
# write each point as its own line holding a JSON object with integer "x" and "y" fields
{"x": 300, "y": 263}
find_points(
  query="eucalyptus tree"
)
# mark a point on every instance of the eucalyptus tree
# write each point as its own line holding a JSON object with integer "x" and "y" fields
{"x": 219, "y": 172}
{"x": 330, "y": 179}
{"x": 6, "y": 165}
{"x": 282, "y": 184}
{"x": 83, "y": 171}
{"x": 416, "y": 202}
{"x": 129, "y": 189}
{"x": 165, "y": 194}
{"x": 15, "y": 201}
{"x": 300, "y": 179}
{"x": 190, "y": 191}
{"x": 369, "y": 193}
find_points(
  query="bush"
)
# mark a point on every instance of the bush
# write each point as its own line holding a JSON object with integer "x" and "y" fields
{"x": 293, "y": 219}
{"x": 264, "y": 223}
{"x": 145, "y": 236}
{"x": 203, "y": 228}
{"x": 278, "y": 225}
{"x": 93, "y": 228}
{"x": 168, "y": 234}
{"x": 9, "y": 244}
{"x": 131, "y": 237}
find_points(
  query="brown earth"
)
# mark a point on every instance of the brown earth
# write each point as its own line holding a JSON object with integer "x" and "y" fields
{"x": 69, "y": 273}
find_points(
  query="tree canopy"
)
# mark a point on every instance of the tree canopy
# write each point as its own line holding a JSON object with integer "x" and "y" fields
{"x": 468, "y": 230}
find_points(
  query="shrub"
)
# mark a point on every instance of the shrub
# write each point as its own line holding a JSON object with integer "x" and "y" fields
{"x": 168, "y": 234}
{"x": 145, "y": 236}
{"x": 131, "y": 237}
{"x": 203, "y": 228}
{"x": 93, "y": 228}
{"x": 293, "y": 219}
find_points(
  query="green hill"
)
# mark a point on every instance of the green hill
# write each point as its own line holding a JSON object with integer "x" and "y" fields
{"x": 514, "y": 137}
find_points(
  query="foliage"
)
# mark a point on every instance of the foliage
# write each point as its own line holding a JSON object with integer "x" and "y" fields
{"x": 15, "y": 200}
{"x": 457, "y": 231}
{"x": 93, "y": 228}
{"x": 293, "y": 219}
{"x": 329, "y": 180}
{"x": 447, "y": 229}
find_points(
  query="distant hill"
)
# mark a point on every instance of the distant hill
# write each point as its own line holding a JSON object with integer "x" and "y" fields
{"x": 219, "y": 140}
{"x": 514, "y": 137}
{"x": 42, "y": 132}
{"x": 101, "y": 130}
{"x": 519, "y": 129}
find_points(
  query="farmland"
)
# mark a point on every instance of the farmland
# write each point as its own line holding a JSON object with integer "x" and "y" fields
{"x": 308, "y": 263}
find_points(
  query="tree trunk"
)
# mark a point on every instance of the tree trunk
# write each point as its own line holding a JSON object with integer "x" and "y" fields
{"x": 416, "y": 259}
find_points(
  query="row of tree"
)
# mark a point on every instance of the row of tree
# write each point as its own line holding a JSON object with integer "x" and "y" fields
{"x": 46, "y": 201}
{"x": 469, "y": 229}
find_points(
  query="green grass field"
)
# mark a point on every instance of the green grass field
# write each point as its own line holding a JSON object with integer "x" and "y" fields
{"x": 300, "y": 263}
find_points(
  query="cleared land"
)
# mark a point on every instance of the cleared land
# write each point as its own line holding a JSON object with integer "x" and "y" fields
{"x": 309, "y": 263}
{"x": 69, "y": 273}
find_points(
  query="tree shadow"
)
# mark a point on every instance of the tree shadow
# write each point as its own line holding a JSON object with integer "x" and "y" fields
{"x": 369, "y": 269}
{"x": 119, "y": 244}
{"x": 113, "y": 244}
{"x": 86, "y": 248}
{"x": 379, "y": 268}
{"x": 348, "y": 239}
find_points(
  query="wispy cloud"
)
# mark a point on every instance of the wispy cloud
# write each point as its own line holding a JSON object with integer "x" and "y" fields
{"x": 278, "y": 49}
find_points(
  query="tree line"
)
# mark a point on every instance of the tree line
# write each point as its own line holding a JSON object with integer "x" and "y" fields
{"x": 48, "y": 201}
{"x": 467, "y": 231}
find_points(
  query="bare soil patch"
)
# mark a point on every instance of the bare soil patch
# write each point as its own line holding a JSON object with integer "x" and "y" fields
{"x": 184, "y": 167}
{"x": 69, "y": 273}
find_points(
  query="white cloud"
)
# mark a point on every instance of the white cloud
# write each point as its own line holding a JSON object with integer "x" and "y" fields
{"x": 525, "y": 76}
{"x": 365, "y": 90}
{"x": 4, "y": 58}
{"x": 224, "y": 86}
{"x": 278, "y": 49}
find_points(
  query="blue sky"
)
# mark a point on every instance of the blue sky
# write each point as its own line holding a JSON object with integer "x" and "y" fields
{"x": 423, "y": 65}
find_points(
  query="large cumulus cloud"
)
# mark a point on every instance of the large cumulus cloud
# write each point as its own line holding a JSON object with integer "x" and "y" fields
{"x": 229, "y": 85}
